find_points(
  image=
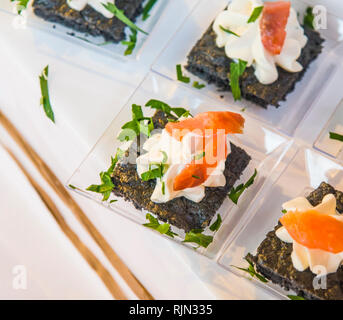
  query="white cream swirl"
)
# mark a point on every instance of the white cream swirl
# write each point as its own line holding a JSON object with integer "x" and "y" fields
{"x": 95, "y": 4}
{"x": 178, "y": 153}
{"x": 319, "y": 261}
{"x": 249, "y": 47}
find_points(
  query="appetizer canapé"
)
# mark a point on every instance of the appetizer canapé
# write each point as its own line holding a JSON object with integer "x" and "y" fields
{"x": 258, "y": 50}
{"x": 307, "y": 242}
{"x": 176, "y": 166}
{"x": 89, "y": 16}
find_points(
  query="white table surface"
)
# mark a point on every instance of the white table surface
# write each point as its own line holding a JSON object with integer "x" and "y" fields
{"x": 28, "y": 234}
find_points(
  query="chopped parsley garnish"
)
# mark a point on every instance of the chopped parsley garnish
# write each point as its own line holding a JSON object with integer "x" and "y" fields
{"x": 21, "y": 5}
{"x": 292, "y": 297}
{"x": 138, "y": 124}
{"x": 114, "y": 200}
{"x": 45, "y": 99}
{"x": 163, "y": 188}
{"x": 119, "y": 14}
{"x": 106, "y": 187}
{"x": 72, "y": 187}
{"x": 216, "y": 225}
{"x": 147, "y": 8}
{"x": 198, "y": 85}
{"x": 154, "y": 173}
{"x": 236, "y": 70}
{"x": 251, "y": 270}
{"x": 309, "y": 18}
{"x": 197, "y": 236}
{"x": 161, "y": 228}
{"x": 172, "y": 112}
{"x": 255, "y": 14}
{"x": 195, "y": 177}
{"x": 228, "y": 31}
{"x": 235, "y": 193}
{"x": 180, "y": 76}
{"x": 199, "y": 156}
{"x": 131, "y": 45}
{"x": 284, "y": 211}
{"x": 336, "y": 136}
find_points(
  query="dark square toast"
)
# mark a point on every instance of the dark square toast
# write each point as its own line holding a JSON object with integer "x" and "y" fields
{"x": 88, "y": 20}
{"x": 180, "y": 212}
{"x": 273, "y": 259}
{"x": 211, "y": 64}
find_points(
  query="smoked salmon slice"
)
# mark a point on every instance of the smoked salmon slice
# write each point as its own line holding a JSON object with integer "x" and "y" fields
{"x": 229, "y": 121}
{"x": 196, "y": 172}
{"x": 314, "y": 230}
{"x": 273, "y": 24}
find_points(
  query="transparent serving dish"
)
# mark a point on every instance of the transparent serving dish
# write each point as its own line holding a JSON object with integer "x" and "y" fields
{"x": 267, "y": 148}
{"x": 304, "y": 174}
{"x": 327, "y": 145}
{"x": 287, "y": 117}
{"x": 163, "y": 9}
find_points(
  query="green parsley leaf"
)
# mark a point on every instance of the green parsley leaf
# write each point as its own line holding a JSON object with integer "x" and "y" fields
{"x": 235, "y": 193}
{"x": 180, "y": 76}
{"x": 163, "y": 188}
{"x": 251, "y": 270}
{"x": 172, "y": 112}
{"x": 309, "y": 18}
{"x": 131, "y": 45}
{"x": 216, "y": 225}
{"x": 196, "y": 236}
{"x": 161, "y": 228}
{"x": 147, "y": 8}
{"x": 21, "y": 5}
{"x": 284, "y": 211}
{"x": 255, "y": 14}
{"x": 228, "y": 31}
{"x": 138, "y": 124}
{"x": 292, "y": 297}
{"x": 119, "y": 14}
{"x": 45, "y": 99}
{"x": 336, "y": 136}
{"x": 199, "y": 156}
{"x": 106, "y": 186}
{"x": 153, "y": 174}
{"x": 236, "y": 70}
{"x": 195, "y": 177}
{"x": 72, "y": 187}
{"x": 198, "y": 85}
{"x": 112, "y": 201}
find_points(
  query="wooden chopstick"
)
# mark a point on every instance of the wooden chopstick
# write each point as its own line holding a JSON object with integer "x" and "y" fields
{"x": 87, "y": 254}
{"x": 57, "y": 186}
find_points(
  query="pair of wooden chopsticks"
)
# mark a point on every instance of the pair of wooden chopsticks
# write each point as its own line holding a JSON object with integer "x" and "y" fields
{"x": 60, "y": 190}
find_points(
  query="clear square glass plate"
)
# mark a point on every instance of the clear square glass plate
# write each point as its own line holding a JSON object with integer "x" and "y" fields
{"x": 266, "y": 147}
{"x": 327, "y": 145}
{"x": 98, "y": 44}
{"x": 304, "y": 174}
{"x": 285, "y": 118}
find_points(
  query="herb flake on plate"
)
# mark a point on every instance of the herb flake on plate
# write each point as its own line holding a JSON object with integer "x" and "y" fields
{"x": 161, "y": 228}
{"x": 197, "y": 236}
{"x": 21, "y": 5}
{"x": 236, "y": 70}
{"x": 216, "y": 225}
{"x": 293, "y": 297}
{"x": 139, "y": 124}
{"x": 147, "y": 8}
{"x": 45, "y": 99}
{"x": 180, "y": 75}
{"x": 198, "y": 85}
{"x": 255, "y": 14}
{"x": 172, "y": 112}
{"x": 251, "y": 270}
{"x": 228, "y": 31}
{"x": 336, "y": 136}
{"x": 309, "y": 18}
{"x": 119, "y": 14}
{"x": 131, "y": 45}
{"x": 235, "y": 193}
{"x": 106, "y": 187}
